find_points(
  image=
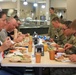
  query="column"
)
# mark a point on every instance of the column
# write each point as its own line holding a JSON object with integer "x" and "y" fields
{"x": 71, "y": 10}
{"x": 18, "y": 8}
{"x": 37, "y": 14}
{"x": 48, "y": 4}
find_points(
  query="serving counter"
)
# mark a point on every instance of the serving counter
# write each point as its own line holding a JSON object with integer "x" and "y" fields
{"x": 40, "y": 29}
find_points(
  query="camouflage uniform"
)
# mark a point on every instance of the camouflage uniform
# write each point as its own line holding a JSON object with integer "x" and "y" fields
{"x": 50, "y": 31}
{"x": 66, "y": 71}
{"x": 71, "y": 39}
{"x": 58, "y": 36}
{"x": 53, "y": 16}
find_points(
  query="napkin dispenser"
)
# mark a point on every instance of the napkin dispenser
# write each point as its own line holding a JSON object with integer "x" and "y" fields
{"x": 39, "y": 48}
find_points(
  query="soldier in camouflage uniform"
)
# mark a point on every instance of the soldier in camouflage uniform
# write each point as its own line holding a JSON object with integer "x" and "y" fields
{"x": 51, "y": 9}
{"x": 58, "y": 35}
{"x": 71, "y": 39}
{"x": 67, "y": 71}
{"x": 71, "y": 32}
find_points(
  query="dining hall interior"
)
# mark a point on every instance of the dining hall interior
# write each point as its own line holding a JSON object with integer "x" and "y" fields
{"x": 37, "y": 37}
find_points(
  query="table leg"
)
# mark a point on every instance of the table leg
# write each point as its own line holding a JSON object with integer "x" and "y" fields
{"x": 38, "y": 70}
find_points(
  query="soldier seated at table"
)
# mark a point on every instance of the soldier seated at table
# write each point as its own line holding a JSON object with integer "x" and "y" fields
{"x": 66, "y": 71}
{"x": 3, "y": 47}
{"x": 7, "y": 43}
{"x": 72, "y": 46}
{"x": 58, "y": 35}
{"x": 70, "y": 38}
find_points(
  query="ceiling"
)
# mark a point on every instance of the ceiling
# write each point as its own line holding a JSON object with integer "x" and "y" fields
{"x": 39, "y": 1}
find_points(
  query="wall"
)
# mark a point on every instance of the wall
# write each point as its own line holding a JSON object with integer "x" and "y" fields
{"x": 25, "y": 11}
{"x": 59, "y": 3}
{"x": 60, "y": 6}
{"x": 8, "y": 5}
{"x": 55, "y": 3}
{"x": 40, "y": 11}
{"x": 71, "y": 10}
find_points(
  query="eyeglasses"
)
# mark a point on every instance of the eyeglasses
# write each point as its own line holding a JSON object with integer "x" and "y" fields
{"x": 64, "y": 29}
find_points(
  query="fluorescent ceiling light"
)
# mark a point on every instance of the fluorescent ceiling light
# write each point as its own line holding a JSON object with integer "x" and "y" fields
{"x": 43, "y": 6}
{"x": 35, "y": 4}
{"x": 25, "y": 2}
{"x": 1, "y": 0}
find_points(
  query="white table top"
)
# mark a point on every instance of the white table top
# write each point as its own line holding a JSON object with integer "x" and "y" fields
{"x": 45, "y": 62}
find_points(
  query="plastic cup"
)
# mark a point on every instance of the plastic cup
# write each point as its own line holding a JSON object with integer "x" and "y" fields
{"x": 45, "y": 47}
{"x": 52, "y": 54}
{"x": 30, "y": 46}
{"x": 38, "y": 57}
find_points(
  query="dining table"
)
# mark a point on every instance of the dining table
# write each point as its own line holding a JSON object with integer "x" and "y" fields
{"x": 45, "y": 62}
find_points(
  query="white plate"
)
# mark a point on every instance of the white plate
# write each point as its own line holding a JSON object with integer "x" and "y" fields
{"x": 9, "y": 55}
{"x": 63, "y": 60}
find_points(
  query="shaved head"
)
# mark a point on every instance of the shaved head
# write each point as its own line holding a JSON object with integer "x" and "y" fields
{"x": 12, "y": 21}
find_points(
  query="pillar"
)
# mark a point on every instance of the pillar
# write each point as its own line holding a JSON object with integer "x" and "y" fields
{"x": 48, "y": 4}
{"x": 18, "y": 8}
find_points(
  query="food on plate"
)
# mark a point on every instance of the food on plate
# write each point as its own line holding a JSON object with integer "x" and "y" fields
{"x": 15, "y": 58}
{"x": 9, "y": 55}
{"x": 17, "y": 44}
{"x": 26, "y": 61}
{"x": 28, "y": 34}
{"x": 53, "y": 44}
{"x": 66, "y": 55}
{"x": 62, "y": 59}
{"x": 26, "y": 56}
{"x": 21, "y": 44}
{"x": 20, "y": 58}
{"x": 25, "y": 44}
{"x": 21, "y": 49}
{"x": 60, "y": 50}
{"x": 11, "y": 51}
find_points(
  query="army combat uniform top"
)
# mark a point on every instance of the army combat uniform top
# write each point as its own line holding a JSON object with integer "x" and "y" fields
{"x": 71, "y": 39}
{"x": 51, "y": 26}
{"x": 58, "y": 36}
